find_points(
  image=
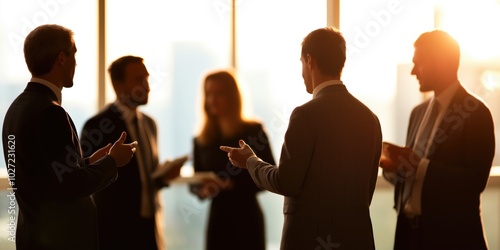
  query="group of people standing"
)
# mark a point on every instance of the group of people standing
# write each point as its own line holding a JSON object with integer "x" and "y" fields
{"x": 89, "y": 193}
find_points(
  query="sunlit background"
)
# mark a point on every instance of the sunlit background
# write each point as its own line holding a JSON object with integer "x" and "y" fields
{"x": 182, "y": 40}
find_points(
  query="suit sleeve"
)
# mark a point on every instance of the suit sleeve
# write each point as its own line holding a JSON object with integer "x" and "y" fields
{"x": 376, "y": 158}
{"x": 69, "y": 176}
{"x": 296, "y": 154}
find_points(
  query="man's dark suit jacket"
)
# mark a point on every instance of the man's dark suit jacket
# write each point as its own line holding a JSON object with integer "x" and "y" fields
{"x": 119, "y": 205}
{"x": 327, "y": 173}
{"x": 53, "y": 181}
{"x": 460, "y": 162}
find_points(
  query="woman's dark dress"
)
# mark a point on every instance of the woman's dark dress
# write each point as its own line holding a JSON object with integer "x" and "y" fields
{"x": 235, "y": 220}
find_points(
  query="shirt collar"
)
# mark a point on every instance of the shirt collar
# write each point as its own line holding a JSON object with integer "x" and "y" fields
{"x": 126, "y": 112}
{"x": 49, "y": 85}
{"x": 324, "y": 85}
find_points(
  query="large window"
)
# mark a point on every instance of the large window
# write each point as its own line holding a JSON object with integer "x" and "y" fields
{"x": 17, "y": 19}
{"x": 182, "y": 40}
{"x": 380, "y": 38}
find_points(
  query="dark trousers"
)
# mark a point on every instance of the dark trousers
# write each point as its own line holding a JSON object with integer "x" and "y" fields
{"x": 408, "y": 233}
{"x": 146, "y": 236}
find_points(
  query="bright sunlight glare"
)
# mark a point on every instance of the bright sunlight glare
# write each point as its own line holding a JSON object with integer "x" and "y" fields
{"x": 491, "y": 79}
{"x": 474, "y": 24}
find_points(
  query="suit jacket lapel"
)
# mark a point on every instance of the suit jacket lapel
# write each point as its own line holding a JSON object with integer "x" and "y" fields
{"x": 446, "y": 123}
{"x": 458, "y": 100}
{"x": 151, "y": 138}
{"x": 414, "y": 124}
{"x": 76, "y": 140}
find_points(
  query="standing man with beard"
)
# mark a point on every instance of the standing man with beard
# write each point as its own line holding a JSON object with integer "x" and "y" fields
{"x": 53, "y": 182}
{"x": 129, "y": 211}
{"x": 440, "y": 174}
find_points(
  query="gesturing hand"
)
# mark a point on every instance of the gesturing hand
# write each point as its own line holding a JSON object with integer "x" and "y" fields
{"x": 239, "y": 156}
{"x": 100, "y": 153}
{"x": 122, "y": 153}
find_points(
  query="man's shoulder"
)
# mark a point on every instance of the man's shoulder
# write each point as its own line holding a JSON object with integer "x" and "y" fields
{"x": 332, "y": 96}
{"x": 252, "y": 126}
{"x": 149, "y": 120}
{"x": 471, "y": 107}
{"x": 109, "y": 113}
{"x": 35, "y": 98}
{"x": 148, "y": 117}
{"x": 471, "y": 100}
{"x": 32, "y": 105}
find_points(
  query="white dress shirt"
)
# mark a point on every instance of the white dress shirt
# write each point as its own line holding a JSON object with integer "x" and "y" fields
{"x": 413, "y": 204}
{"x": 324, "y": 85}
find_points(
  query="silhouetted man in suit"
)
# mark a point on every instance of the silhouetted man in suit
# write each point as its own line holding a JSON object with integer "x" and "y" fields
{"x": 129, "y": 211}
{"x": 53, "y": 182}
{"x": 329, "y": 160}
{"x": 450, "y": 144}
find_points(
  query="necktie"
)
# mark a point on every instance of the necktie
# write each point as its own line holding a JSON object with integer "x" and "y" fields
{"x": 420, "y": 147}
{"x": 423, "y": 142}
{"x": 144, "y": 158}
{"x": 144, "y": 144}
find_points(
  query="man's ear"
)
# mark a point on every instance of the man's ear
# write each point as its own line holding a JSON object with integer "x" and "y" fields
{"x": 310, "y": 61}
{"x": 61, "y": 58}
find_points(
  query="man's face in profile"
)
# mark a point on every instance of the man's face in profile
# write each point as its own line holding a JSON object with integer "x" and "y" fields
{"x": 136, "y": 86}
{"x": 424, "y": 70}
{"x": 69, "y": 67}
{"x": 306, "y": 73}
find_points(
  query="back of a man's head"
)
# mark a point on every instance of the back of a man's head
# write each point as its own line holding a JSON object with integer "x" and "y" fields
{"x": 43, "y": 45}
{"x": 327, "y": 47}
{"x": 439, "y": 46}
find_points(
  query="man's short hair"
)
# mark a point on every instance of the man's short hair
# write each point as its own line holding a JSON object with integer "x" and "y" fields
{"x": 327, "y": 47}
{"x": 43, "y": 45}
{"x": 117, "y": 68}
{"x": 440, "y": 46}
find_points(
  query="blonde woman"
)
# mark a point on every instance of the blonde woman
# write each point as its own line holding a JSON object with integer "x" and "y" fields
{"x": 235, "y": 219}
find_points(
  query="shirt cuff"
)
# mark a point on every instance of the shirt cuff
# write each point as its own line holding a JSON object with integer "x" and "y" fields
{"x": 253, "y": 161}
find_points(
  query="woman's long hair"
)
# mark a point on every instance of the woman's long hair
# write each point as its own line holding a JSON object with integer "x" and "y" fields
{"x": 211, "y": 130}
